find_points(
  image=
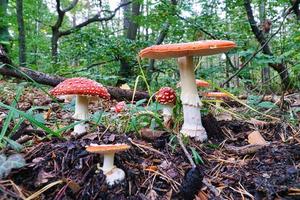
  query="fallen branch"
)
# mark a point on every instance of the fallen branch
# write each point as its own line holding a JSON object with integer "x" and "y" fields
{"x": 7, "y": 68}
{"x": 244, "y": 150}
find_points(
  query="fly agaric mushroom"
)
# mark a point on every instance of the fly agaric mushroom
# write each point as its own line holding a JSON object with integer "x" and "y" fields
{"x": 192, "y": 125}
{"x": 166, "y": 96}
{"x": 83, "y": 89}
{"x": 119, "y": 107}
{"x": 113, "y": 174}
{"x": 217, "y": 95}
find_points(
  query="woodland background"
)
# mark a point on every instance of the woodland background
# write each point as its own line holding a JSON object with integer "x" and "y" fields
{"x": 101, "y": 39}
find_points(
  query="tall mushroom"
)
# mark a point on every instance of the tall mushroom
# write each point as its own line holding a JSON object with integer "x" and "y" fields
{"x": 83, "y": 89}
{"x": 166, "y": 96}
{"x": 192, "y": 125}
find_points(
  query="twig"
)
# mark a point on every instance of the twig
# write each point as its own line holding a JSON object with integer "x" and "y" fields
{"x": 141, "y": 146}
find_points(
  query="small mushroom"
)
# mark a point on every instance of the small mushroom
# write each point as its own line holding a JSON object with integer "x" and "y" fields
{"x": 192, "y": 125}
{"x": 217, "y": 95}
{"x": 166, "y": 96}
{"x": 113, "y": 174}
{"x": 119, "y": 107}
{"x": 83, "y": 89}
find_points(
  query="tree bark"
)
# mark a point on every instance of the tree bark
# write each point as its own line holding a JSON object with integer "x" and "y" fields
{"x": 21, "y": 30}
{"x": 130, "y": 32}
{"x": 279, "y": 67}
{"x": 4, "y": 34}
{"x": 265, "y": 71}
{"x": 296, "y": 10}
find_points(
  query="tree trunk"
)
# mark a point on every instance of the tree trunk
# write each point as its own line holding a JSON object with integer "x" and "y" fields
{"x": 21, "y": 37}
{"x": 265, "y": 71}
{"x": 54, "y": 45}
{"x": 130, "y": 12}
{"x": 4, "y": 34}
{"x": 279, "y": 67}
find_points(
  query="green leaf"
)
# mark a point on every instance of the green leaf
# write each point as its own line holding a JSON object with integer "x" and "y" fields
{"x": 16, "y": 146}
{"x": 11, "y": 113}
{"x": 267, "y": 104}
{"x": 31, "y": 119}
{"x": 12, "y": 162}
{"x": 196, "y": 156}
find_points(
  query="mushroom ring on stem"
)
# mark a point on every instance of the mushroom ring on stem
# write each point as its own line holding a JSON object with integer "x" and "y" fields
{"x": 85, "y": 90}
{"x": 192, "y": 125}
{"x": 113, "y": 174}
{"x": 166, "y": 96}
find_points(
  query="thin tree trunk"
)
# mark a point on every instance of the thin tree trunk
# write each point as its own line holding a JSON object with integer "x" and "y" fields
{"x": 279, "y": 67}
{"x": 4, "y": 34}
{"x": 130, "y": 32}
{"x": 265, "y": 71}
{"x": 21, "y": 29}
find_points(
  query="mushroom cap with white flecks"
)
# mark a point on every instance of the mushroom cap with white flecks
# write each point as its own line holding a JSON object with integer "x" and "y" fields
{"x": 166, "y": 95}
{"x": 80, "y": 86}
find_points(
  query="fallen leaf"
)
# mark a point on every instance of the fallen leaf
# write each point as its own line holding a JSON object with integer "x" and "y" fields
{"x": 152, "y": 195}
{"x": 168, "y": 195}
{"x": 43, "y": 177}
{"x": 152, "y": 168}
{"x": 150, "y": 134}
{"x": 256, "y": 138}
{"x": 201, "y": 196}
{"x": 224, "y": 116}
{"x": 125, "y": 86}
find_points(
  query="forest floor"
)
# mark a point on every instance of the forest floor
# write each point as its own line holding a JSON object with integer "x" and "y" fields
{"x": 155, "y": 166}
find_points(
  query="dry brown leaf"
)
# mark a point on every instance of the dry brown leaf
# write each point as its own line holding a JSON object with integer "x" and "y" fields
{"x": 168, "y": 195}
{"x": 256, "y": 138}
{"x": 125, "y": 86}
{"x": 201, "y": 196}
{"x": 150, "y": 134}
{"x": 152, "y": 195}
{"x": 152, "y": 168}
{"x": 224, "y": 116}
{"x": 43, "y": 177}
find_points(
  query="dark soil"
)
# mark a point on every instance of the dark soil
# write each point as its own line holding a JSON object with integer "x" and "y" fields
{"x": 158, "y": 169}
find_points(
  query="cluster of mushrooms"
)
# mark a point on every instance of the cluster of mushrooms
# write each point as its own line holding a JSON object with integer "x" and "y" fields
{"x": 85, "y": 90}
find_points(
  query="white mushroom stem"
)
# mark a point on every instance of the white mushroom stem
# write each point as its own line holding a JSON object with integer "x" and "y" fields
{"x": 82, "y": 113}
{"x": 192, "y": 125}
{"x": 108, "y": 162}
{"x": 167, "y": 112}
{"x": 113, "y": 174}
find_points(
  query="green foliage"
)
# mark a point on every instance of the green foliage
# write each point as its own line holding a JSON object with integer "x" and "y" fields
{"x": 14, "y": 161}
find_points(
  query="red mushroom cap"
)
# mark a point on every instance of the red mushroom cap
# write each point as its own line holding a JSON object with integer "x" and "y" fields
{"x": 80, "y": 86}
{"x": 166, "y": 95}
{"x": 202, "y": 83}
{"x": 119, "y": 106}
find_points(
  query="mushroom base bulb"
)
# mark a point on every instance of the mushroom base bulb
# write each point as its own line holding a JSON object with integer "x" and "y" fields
{"x": 115, "y": 176}
{"x": 192, "y": 125}
{"x": 80, "y": 129}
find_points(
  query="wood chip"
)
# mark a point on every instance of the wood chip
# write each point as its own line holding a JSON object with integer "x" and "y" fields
{"x": 256, "y": 138}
